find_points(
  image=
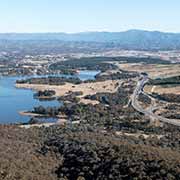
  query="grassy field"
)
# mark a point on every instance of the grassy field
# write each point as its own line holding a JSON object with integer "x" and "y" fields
{"x": 153, "y": 70}
{"x": 162, "y": 89}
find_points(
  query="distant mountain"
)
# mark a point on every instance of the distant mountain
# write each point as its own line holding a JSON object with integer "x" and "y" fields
{"x": 132, "y": 39}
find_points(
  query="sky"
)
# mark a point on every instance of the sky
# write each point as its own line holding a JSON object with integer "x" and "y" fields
{"x": 89, "y": 15}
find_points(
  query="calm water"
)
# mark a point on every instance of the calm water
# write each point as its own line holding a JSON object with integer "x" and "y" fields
{"x": 13, "y": 100}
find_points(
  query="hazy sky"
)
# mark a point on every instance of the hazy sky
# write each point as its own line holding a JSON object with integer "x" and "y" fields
{"x": 88, "y": 15}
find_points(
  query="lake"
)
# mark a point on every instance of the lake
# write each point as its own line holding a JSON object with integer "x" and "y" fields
{"x": 13, "y": 100}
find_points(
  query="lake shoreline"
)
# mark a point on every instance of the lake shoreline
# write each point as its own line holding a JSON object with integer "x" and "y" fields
{"x": 16, "y": 99}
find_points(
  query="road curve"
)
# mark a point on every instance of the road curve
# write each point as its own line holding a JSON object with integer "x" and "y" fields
{"x": 139, "y": 88}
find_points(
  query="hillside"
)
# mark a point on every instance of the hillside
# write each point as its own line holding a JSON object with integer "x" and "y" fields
{"x": 132, "y": 39}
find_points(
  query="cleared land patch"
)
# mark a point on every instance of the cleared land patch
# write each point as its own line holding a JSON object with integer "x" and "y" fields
{"x": 162, "y": 89}
{"x": 109, "y": 86}
{"x": 153, "y": 70}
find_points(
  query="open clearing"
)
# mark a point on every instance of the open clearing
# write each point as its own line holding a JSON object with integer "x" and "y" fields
{"x": 162, "y": 89}
{"x": 153, "y": 70}
{"x": 109, "y": 86}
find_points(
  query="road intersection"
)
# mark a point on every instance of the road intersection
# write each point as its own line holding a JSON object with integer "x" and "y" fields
{"x": 148, "y": 112}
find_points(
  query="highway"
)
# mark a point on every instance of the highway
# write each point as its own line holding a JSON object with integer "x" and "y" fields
{"x": 148, "y": 112}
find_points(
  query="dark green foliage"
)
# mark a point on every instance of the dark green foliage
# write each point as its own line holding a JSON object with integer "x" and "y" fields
{"x": 45, "y": 93}
{"x": 50, "y": 80}
{"x": 71, "y": 97}
{"x": 144, "y": 98}
{"x": 84, "y": 151}
{"x": 165, "y": 81}
{"x": 174, "y": 98}
{"x": 33, "y": 121}
{"x": 115, "y": 76}
{"x": 101, "y": 63}
{"x": 19, "y": 159}
{"x": 94, "y": 156}
{"x": 46, "y": 111}
{"x": 110, "y": 98}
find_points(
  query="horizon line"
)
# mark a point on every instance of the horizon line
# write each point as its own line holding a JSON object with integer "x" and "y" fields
{"x": 94, "y": 31}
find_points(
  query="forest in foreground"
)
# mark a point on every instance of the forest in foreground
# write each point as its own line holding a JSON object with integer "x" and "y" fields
{"x": 80, "y": 152}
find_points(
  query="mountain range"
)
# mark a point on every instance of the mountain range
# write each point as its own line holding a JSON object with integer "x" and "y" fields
{"x": 131, "y": 39}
